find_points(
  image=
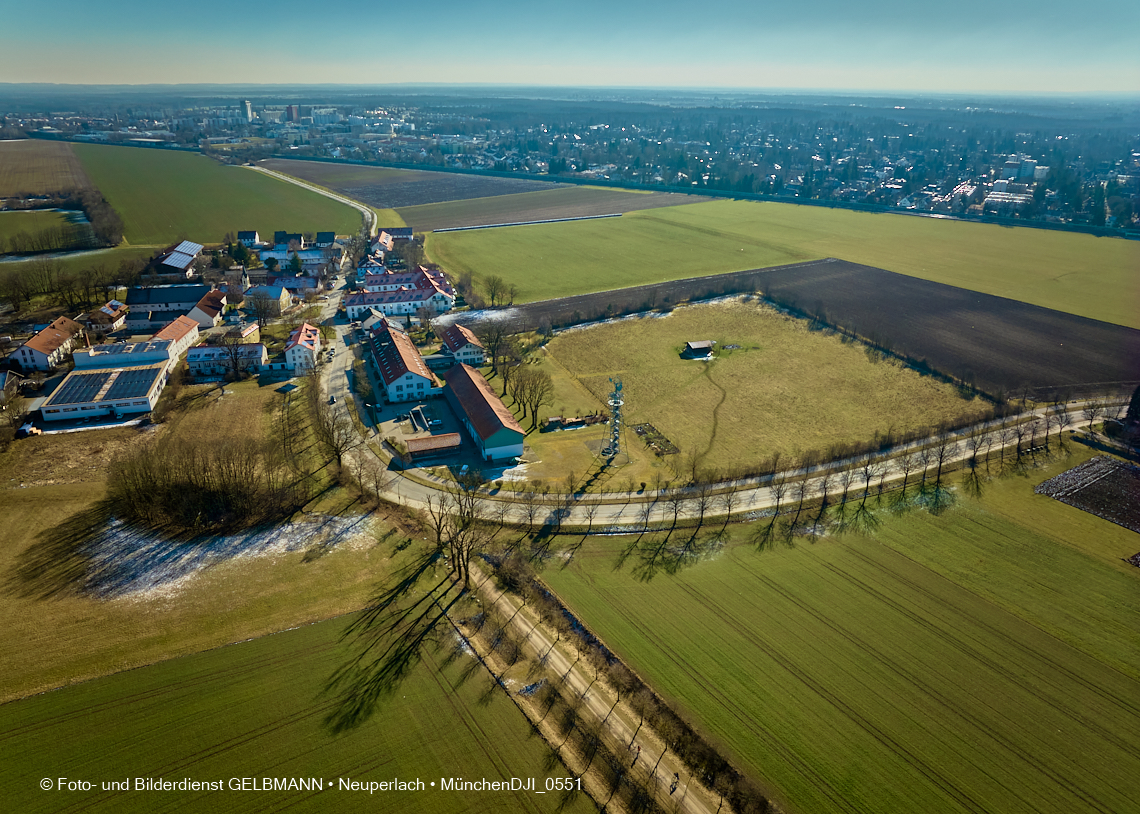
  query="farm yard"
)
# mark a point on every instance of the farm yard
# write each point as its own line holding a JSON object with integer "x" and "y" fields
{"x": 34, "y": 167}
{"x": 1006, "y": 347}
{"x": 1103, "y": 486}
{"x": 258, "y": 709}
{"x": 984, "y": 659}
{"x": 564, "y": 202}
{"x": 385, "y": 188}
{"x": 1073, "y": 273}
{"x": 787, "y": 389}
{"x": 164, "y": 196}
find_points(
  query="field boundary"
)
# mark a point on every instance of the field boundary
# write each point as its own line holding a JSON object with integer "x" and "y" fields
{"x": 523, "y": 222}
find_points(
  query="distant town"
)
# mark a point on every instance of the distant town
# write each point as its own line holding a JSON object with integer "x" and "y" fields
{"x": 1062, "y": 165}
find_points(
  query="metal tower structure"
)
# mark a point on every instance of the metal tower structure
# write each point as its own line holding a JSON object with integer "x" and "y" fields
{"x": 616, "y": 401}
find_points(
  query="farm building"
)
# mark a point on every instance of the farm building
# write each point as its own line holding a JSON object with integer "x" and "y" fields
{"x": 284, "y": 239}
{"x": 405, "y": 375}
{"x": 179, "y": 259}
{"x": 181, "y": 334}
{"x": 698, "y": 350}
{"x": 444, "y": 444}
{"x": 50, "y": 346}
{"x": 462, "y": 345}
{"x": 303, "y": 347}
{"x": 105, "y": 393}
{"x": 492, "y": 426}
{"x": 324, "y": 239}
{"x": 152, "y": 307}
{"x": 424, "y": 293}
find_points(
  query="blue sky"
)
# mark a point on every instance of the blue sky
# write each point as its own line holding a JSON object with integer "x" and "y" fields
{"x": 964, "y": 46}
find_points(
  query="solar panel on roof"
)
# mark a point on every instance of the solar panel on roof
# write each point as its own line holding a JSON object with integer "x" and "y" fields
{"x": 133, "y": 383}
{"x": 178, "y": 260}
{"x": 79, "y": 387}
{"x": 188, "y": 247}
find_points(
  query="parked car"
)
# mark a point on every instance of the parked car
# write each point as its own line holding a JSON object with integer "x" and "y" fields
{"x": 332, "y": 399}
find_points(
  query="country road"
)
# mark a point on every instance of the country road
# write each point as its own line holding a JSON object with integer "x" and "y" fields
{"x": 369, "y": 215}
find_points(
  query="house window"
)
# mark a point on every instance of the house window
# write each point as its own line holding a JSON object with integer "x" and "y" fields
{"x": 399, "y": 387}
{"x": 70, "y": 409}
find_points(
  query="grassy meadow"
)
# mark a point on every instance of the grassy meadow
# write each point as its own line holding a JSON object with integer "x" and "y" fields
{"x": 1079, "y": 274}
{"x": 30, "y": 221}
{"x": 35, "y": 167}
{"x": 985, "y": 659}
{"x": 75, "y": 613}
{"x": 258, "y": 709}
{"x": 165, "y": 196}
{"x": 786, "y": 388}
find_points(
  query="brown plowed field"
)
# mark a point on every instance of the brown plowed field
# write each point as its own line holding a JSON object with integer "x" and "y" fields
{"x": 551, "y": 204}
{"x": 385, "y": 188}
{"x": 1002, "y": 345}
{"x": 33, "y": 167}
{"x": 1106, "y": 487}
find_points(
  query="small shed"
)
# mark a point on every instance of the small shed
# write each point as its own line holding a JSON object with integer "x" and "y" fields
{"x": 433, "y": 445}
{"x": 699, "y": 349}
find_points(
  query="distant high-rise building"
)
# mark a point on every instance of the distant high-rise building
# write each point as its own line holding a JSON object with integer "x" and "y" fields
{"x": 292, "y": 113}
{"x": 248, "y": 109}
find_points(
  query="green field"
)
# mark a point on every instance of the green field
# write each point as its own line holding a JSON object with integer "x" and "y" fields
{"x": 257, "y": 710}
{"x": 1079, "y": 274}
{"x": 28, "y": 221}
{"x": 166, "y": 196}
{"x": 984, "y": 660}
{"x": 786, "y": 389}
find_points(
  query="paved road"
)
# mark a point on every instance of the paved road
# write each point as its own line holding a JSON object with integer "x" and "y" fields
{"x": 369, "y": 215}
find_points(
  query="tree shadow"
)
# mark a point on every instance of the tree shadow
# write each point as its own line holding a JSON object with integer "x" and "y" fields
{"x": 388, "y": 639}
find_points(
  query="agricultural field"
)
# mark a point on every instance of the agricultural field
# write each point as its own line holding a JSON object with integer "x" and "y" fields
{"x": 564, "y": 202}
{"x": 1104, "y": 486}
{"x": 165, "y": 196}
{"x": 386, "y": 188}
{"x": 1073, "y": 273}
{"x": 33, "y": 167}
{"x": 82, "y": 601}
{"x": 983, "y": 659}
{"x": 774, "y": 386}
{"x": 28, "y": 220}
{"x": 258, "y": 709}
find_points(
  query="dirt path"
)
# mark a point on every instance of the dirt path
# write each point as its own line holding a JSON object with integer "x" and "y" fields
{"x": 647, "y": 755}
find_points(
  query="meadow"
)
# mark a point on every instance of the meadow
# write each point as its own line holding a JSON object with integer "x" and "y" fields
{"x": 258, "y": 709}
{"x": 165, "y": 196}
{"x": 79, "y": 607}
{"x": 984, "y": 659}
{"x": 1078, "y": 274}
{"x": 784, "y": 388}
{"x": 565, "y": 202}
{"x": 30, "y": 221}
{"x": 34, "y": 167}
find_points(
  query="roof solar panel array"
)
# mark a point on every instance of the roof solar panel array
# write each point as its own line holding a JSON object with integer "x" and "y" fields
{"x": 178, "y": 260}
{"x": 188, "y": 247}
{"x": 133, "y": 383}
{"x": 78, "y": 388}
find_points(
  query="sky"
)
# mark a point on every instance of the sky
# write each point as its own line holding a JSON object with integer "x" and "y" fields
{"x": 976, "y": 46}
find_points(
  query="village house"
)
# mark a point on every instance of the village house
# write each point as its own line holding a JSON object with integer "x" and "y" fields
{"x": 182, "y": 333}
{"x": 401, "y": 367}
{"x": 491, "y": 425}
{"x": 108, "y": 318}
{"x": 462, "y": 345}
{"x": 303, "y": 348}
{"x": 249, "y": 239}
{"x": 209, "y": 310}
{"x": 10, "y": 382}
{"x": 402, "y": 293}
{"x": 245, "y": 332}
{"x": 218, "y": 360}
{"x": 50, "y": 346}
{"x": 179, "y": 260}
{"x": 276, "y": 297}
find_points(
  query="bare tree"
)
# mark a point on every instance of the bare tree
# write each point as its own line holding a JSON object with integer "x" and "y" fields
{"x": 264, "y": 309}
{"x": 1091, "y": 412}
{"x": 944, "y": 451}
{"x": 704, "y": 501}
{"x": 333, "y": 430}
{"x": 868, "y": 471}
{"x": 492, "y": 334}
{"x": 779, "y": 488}
{"x": 728, "y": 501}
{"x": 495, "y": 287}
{"x": 974, "y": 443}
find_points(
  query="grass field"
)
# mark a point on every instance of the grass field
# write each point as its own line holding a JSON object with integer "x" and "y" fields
{"x": 787, "y": 388}
{"x": 29, "y": 221}
{"x": 256, "y": 709}
{"x": 987, "y": 659}
{"x": 74, "y": 613}
{"x": 567, "y": 202}
{"x": 166, "y": 196}
{"x": 33, "y": 167}
{"x": 1078, "y": 274}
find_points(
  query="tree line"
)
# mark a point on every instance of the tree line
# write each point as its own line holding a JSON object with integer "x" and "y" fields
{"x": 71, "y": 288}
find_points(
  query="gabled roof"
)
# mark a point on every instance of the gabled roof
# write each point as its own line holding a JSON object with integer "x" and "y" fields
{"x": 111, "y": 311}
{"x": 325, "y": 237}
{"x": 458, "y": 336}
{"x": 396, "y": 355}
{"x": 433, "y": 443}
{"x": 273, "y": 292}
{"x": 247, "y": 235}
{"x": 177, "y": 330}
{"x": 162, "y": 294}
{"x": 485, "y": 411}
{"x": 213, "y": 303}
{"x": 54, "y": 336}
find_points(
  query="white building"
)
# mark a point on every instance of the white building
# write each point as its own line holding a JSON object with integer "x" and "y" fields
{"x": 401, "y": 367}
{"x": 105, "y": 393}
{"x": 217, "y": 360}
{"x": 303, "y": 348}
{"x": 461, "y": 344}
{"x": 50, "y": 346}
{"x": 182, "y": 333}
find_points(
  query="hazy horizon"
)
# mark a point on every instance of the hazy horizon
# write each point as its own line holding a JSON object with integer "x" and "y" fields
{"x": 1007, "y": 47}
